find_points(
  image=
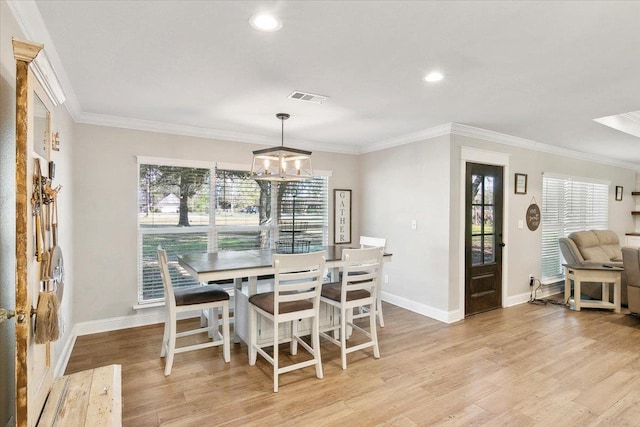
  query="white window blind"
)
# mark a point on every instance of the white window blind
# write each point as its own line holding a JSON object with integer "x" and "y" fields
{"x": 173, "y": 211}
{"x": 568, "y": 205}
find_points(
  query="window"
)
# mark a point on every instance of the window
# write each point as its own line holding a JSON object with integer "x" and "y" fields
{"x": 173, "y": 211}
{"x": 569, "y": 204}
{"x": 197, "y": 207}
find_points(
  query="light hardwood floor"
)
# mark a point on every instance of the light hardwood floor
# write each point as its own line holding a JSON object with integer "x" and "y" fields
{"x": 527, "y": 365}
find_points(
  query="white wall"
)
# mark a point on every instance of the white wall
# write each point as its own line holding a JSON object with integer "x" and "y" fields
{"x": 106, "y": 205}
{"x": 399, "y": 185}
{"x": 422, "y": 181}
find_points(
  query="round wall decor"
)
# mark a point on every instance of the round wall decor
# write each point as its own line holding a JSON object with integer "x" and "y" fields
{"x": 533, "y": 217}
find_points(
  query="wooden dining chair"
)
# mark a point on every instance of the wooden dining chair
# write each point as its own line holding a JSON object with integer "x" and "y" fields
{"x": 357, "y": 289}
{"x": 192, "y": 299}
{"x": 378, "y": 242}
{"x": 296, "y": 296}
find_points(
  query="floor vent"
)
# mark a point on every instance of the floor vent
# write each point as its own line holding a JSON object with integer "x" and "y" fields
{"x": 308, "y": 97}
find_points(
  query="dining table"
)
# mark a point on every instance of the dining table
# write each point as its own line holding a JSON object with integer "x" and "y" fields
{"x": 245, "y": 268}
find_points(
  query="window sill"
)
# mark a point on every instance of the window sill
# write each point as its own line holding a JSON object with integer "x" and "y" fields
{"x": 148, "y": 305}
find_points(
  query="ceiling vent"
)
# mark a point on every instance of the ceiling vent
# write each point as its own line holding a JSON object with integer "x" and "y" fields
{"x": 308, "y": 97}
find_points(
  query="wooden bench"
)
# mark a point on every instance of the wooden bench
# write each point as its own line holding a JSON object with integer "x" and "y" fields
{"x": 87, "y": 398}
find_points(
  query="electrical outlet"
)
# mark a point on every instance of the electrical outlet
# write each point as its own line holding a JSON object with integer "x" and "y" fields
{"x": 386, "y": 279}
{"x": 531, "y": 279}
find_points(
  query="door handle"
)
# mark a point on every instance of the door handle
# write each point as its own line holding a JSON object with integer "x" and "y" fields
{"x": 502, "y": 244}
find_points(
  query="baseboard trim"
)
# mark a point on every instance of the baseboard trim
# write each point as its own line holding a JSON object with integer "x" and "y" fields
{"x": 423, "y": 309}
{"x": 63, "y": 359}
{"x": 544, "y": 292}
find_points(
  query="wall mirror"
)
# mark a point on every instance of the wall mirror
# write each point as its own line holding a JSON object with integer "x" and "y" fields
{"x": 41, "y": 127}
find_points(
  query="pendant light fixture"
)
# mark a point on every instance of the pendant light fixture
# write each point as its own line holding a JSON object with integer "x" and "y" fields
{"x": 281, "y": 163}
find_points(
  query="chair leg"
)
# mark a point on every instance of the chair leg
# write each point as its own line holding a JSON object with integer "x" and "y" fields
{"x": 379, "y": 309}
{"x": 294, "y": 334}
{"x": 275, "y": 356}
{"x": 165, "y": 338}
{"x": 315, "y": 343}
{"x": 343, "y": 337}
{"x": 171, "y": 347}
{"x": 226, "y": 340}
{"x": 372, "y": 330}
{"x": 253, "y": 335}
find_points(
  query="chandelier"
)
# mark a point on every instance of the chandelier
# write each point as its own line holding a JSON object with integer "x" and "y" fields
{"x": 281, "y": 163}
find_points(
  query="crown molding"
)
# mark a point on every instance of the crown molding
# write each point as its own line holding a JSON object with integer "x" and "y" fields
{"x": 514, "y": 141}
{"x": 198, "y": 132}
{"x": 54, "y": 77}
{"x": 422, "y": 135}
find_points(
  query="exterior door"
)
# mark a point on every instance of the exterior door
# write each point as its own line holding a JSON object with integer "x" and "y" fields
{"x": 483, "y": 238}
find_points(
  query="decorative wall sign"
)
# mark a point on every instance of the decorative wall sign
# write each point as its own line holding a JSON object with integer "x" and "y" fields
{"x": 521, "y": 183}
{"x": 341, "y": 216}
{"x": 533, "y": 216}
{"x": 618, "y": 193}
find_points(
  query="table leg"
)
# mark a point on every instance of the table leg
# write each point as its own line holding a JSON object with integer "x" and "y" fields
{"x": 576, "y": 292}
{"x": 617, "y": 300}
{"x": 238, "y": 288}
{"x": 605, "y": 291}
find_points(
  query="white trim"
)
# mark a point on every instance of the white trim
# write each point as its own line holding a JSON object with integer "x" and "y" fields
{"x": 46, "y": 76}
{"x": 32, "y": 25}
{"x": 162, "y": 161}
{"x": 544, "y": 292}
{"x": 63, "y": 357}
{"x": 422, "y": 135}
{"x": 469, "y": 154}
{"x": 199, "y": 132}
{"x": 488, "y": 135}
{"x": 151, "y": 316}
{"x": 423, "y": 309}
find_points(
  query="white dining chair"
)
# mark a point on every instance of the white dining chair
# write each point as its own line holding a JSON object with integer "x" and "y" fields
{"x": 192, "y": 299}
{"x": 378, "y": 242}
{"x": 357, "y": 289}
{"x": 296, "y": 296}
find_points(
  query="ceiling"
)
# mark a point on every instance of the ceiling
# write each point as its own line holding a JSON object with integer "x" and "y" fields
{"x": 540, "y": 71}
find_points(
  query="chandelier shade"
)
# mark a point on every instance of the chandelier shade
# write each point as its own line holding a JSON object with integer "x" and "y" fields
{"x": 281, "y": 163}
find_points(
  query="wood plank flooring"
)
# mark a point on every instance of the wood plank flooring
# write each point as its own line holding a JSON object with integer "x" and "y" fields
{"x": 527, "y": 365}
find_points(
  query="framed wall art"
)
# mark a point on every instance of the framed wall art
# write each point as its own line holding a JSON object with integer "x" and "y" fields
{"x": 521, "y": 183}
{"x": 341, "y": 216}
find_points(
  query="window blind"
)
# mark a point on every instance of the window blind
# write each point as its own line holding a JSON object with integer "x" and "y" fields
{"x": 308, "y": 201}
{"x": 568, "y": 205}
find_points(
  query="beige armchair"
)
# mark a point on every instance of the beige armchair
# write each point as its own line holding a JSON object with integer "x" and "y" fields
{"x": 631, "y": 261}
{"x": 594, "y": 246}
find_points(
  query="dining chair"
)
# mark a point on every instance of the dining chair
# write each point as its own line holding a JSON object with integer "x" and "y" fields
{"x": 379, "y": 242}
{"x": 192, "y": 299}
{"x": 296, "y": 296}
{"x": 357, "y": 289}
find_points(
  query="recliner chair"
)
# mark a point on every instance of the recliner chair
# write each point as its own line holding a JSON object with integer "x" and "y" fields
{"x": 631, "y": 262}
{"x": 594, "y": 246}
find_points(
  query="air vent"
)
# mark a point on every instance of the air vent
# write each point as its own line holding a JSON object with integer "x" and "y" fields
{"x": 308, "y": 97}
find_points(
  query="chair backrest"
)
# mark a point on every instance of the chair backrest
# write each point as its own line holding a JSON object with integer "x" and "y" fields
{"x": 361, "y": 270}
{"x": 298, "y": 277}
{"x": 163, "y": 261}
{"x": 366, "y": 241}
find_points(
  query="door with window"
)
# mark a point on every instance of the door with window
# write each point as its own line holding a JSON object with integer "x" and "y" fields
{"x": 483, "y": 238}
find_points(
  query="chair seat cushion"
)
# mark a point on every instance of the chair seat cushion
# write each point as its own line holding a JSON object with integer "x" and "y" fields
{"x": 200, "y": 294}
{"x": 266, "y": 301}
{"x": 332, "y": 291}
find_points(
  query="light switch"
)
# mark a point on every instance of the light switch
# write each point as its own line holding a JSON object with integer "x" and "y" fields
{"x": 520, "y": 224}
{"x": 414, "y": 224}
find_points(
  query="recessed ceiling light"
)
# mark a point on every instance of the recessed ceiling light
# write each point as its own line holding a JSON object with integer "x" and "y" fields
{"x": 265, "y": 22}
{"x": 433, "y": 76}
